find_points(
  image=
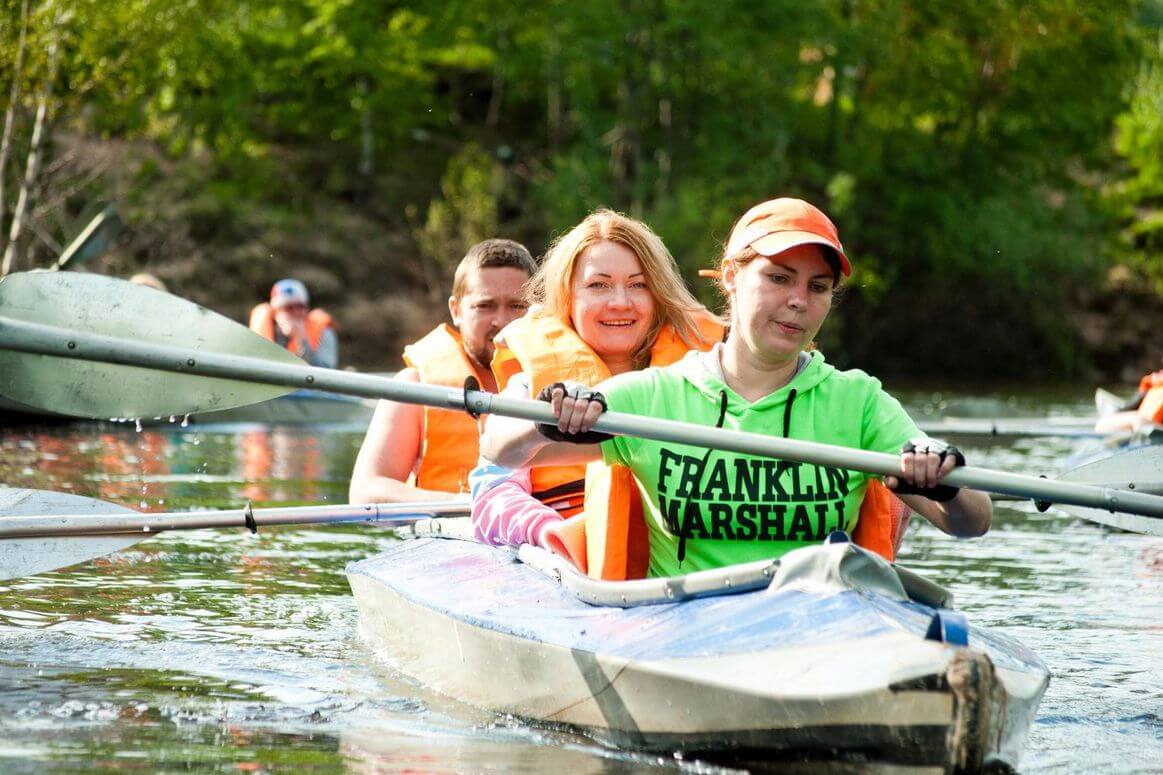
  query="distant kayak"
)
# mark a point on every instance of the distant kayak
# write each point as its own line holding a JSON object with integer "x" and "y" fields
{"x": 302, "y": 407}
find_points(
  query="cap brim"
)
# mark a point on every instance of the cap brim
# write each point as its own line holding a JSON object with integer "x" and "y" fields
{"x": 773, "y": 244}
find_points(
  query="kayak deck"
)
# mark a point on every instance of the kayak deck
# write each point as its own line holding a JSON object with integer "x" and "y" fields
{"x": 796, "y": 671}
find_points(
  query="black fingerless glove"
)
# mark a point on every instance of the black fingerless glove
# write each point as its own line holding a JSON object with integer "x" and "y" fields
{"x": 552, "y": 432}
{"x": 942, "y": 492}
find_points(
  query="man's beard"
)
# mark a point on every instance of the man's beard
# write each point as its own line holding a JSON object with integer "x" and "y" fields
{"x": 484, "y": 359}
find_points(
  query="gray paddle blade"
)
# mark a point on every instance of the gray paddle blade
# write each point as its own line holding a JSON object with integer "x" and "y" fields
{"x": 1139, "y": 470}
{"x": 93, "y": 240}
{"x": 21, "y": 557}
{"x": 104, "y": 305}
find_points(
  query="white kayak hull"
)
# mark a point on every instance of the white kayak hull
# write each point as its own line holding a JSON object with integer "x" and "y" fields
{"x": 703, "y": 676}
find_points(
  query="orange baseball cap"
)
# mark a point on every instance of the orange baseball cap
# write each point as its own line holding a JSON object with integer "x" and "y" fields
{"x": 781, "y": 224}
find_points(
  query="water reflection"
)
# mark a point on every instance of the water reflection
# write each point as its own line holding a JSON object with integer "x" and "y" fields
{"x": 281, "y": 465}
{"x": 222, "y": 649}
{"x": 175, "y": 468}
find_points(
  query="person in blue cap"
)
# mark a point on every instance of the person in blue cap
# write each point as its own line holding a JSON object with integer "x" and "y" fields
{"x": 288, "y": 320}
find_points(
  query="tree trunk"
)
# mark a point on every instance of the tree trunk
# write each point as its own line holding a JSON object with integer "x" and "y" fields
{"x": 366, "y": 136}
{"x": 10, "y": 114}
{"x": 32, "y": 170}
{"x": 493, "y": 117}
{"x": 839, "y": 65}
{"x": 553, "y": 98}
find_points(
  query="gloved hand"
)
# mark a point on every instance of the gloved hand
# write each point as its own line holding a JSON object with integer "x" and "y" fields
{"x": 577, "y": 408}
{"x": 924, "y": 462}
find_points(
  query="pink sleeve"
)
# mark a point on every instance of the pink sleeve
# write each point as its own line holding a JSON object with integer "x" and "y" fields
{"x": 507, "y": 514}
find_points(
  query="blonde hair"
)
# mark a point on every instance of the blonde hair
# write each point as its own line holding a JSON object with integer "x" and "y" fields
{"x": 551, "y": 288}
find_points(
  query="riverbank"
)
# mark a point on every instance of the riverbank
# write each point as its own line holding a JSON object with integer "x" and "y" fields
{"x": 222, "y": 239}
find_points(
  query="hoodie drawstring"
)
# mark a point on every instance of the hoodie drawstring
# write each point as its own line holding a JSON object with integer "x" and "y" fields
{"x": 791, "y": 397}
{"x": 685, "y": 525}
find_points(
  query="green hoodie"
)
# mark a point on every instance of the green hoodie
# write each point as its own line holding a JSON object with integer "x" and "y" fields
{"x": 744, "y": 507}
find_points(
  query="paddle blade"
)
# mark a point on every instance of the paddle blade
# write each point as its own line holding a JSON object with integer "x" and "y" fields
{"x": 1106, "y": 403}
{"x": 1139, "y": 470}
{"x": 21, "y": 557}
{"x": 104, "y": 305}
{"x": 93, "y": 240}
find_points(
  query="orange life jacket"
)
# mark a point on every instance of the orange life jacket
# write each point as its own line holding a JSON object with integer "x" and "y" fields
{"x": 1152, "y": 380}
{"x": 451, "y": 442}
{"x": 882, "y": 522}
{"x": 1151, "y": 407}
{"x": 548, "y": 350}
{"x": 262, "y": 322}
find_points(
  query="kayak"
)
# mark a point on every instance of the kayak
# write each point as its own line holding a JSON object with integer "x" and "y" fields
{"x": 830, "y": 652}
{"x": 302, "y": 407}
{"x": 1056, "y": 427}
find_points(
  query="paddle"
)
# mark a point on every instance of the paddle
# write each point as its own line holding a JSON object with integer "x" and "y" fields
{"x": 42, "y": 530}
{"x": 1139, "y": 469}
{"x": 48, "y": 366}
{"x": 1106, "y": 403}
{"x": 93, "y": 240}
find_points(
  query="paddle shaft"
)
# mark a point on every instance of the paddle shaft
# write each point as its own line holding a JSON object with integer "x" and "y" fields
{"x": 77, "y": 252}
{"x": 62, "y": 342}
{"x": 117, "y": 524}
{"x": 1074, "y": 428}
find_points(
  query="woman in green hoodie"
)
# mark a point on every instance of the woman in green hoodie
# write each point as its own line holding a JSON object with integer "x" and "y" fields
{"x": 709, "y": 508}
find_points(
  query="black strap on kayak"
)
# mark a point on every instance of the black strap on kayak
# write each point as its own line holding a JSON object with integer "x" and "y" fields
{"x": 1042, "y": 505}
{"x": 562, "y": 492}
{"x": 248, "y": 518}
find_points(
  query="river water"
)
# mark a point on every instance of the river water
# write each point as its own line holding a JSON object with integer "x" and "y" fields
{"x": 226, "y": 651}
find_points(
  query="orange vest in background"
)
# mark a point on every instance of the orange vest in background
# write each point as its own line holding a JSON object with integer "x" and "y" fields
{"x": 451, "y": 442}
{"x": 610, "y": 540}
{"x": 1151, "y": 407}
{"x": 262, "y": 322}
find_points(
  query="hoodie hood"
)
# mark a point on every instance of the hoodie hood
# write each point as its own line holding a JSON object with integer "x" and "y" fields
{"x": 695, "y": 371}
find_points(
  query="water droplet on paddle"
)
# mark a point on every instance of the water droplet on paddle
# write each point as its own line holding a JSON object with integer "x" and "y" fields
{"x": 137, "y": 425}
{"x": 186, "y": 421}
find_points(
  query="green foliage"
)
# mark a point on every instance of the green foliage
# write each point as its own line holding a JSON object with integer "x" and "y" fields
{"x": 1138, "y": 198}
{"x": 958, "y": 145}
{"x": 465, "y": 213}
